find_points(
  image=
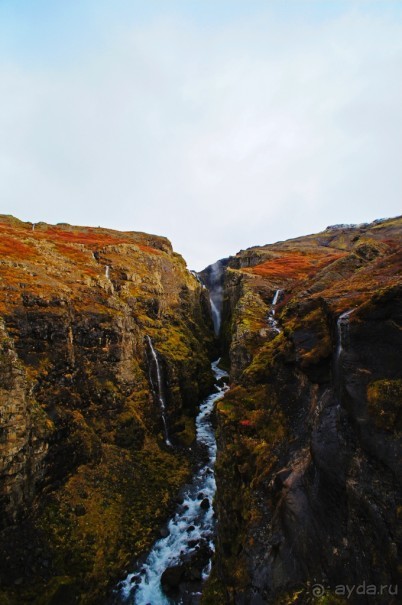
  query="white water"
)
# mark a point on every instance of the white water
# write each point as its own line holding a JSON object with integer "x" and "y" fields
{"x": 215, "y": 284}
{"x": 159, "y": 391}
{"x": 166, "y": 552}
{"x": 272, "y": 322}
{"x": 343, "y": 329}
{"x": 216, "y": 317}
{"x": 107, "y": 272}
{"x": 197, "y": 277}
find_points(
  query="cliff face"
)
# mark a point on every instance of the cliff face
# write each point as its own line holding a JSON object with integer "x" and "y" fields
{"x": 85, "y": 474}
{"x": 309, "y": 436}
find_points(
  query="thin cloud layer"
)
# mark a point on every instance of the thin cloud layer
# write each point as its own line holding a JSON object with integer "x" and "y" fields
{"x": 220, "y": 136}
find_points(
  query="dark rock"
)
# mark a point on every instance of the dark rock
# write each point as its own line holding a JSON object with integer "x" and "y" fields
{"x": 171, "y": 578}
{"x": 80, "y": 510}
{"x": 205, "y": 504}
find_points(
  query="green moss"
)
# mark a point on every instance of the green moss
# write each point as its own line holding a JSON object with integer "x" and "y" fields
{"x": 263, "y": 363}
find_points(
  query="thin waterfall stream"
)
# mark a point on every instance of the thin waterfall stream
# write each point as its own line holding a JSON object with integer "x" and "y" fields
{"x": 191, "y": 530}
{"x": 216, "y": 316}
{"x": 158, "y": 389}
{"x": 342, "y": 326}
{"x": 271, "y": 319}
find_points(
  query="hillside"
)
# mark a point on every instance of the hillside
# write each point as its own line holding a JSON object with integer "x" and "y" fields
{"x": 309, "y": 436}
{"x": 85, "y": 475}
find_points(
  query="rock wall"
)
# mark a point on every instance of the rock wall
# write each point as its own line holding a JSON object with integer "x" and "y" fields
{"x": 309, "y": 436}
{"x": 23, "y": 426}
{"x": 85, "y": 475}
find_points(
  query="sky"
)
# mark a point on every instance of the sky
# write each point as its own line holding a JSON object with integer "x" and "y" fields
{"x": 221, "y": 124}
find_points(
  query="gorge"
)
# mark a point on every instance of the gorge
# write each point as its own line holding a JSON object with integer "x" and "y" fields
{"x": 107, "y": 454}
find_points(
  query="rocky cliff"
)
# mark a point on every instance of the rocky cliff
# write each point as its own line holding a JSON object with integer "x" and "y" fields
{"x": 309, "y": 436}
{"x": 85, "y": 474}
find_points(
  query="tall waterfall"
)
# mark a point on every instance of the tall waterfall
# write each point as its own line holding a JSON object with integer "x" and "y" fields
{"x": 216, "y": 316}
{"x": 158, "y": 392}
{"x": 272, "y": 322}
{"x": 213, "y": 277}
{"x": 190, "y": 529}
{"x": 107, "y": 272}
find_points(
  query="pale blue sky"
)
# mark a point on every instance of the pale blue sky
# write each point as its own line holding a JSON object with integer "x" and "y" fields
{"x": 220, "y": 124}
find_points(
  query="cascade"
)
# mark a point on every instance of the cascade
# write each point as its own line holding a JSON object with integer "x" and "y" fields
{"x": 213, "y": 277}
{"x": 272, "y": 322}
{"x": 159, "y": 390}
{"x": 190, "y": 527}
{"x": 216, "y": 316}
{"x": 342, "y": 325}
{"x": 107, "y": 272}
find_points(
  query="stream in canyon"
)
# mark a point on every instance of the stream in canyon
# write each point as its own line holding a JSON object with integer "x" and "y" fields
{"x": 183, "y": 556}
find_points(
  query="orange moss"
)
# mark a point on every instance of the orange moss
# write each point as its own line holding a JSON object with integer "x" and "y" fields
{"x": 294, "y": 265}
{"x": 72, "y": 253}
{"x": 12, "y": 247}
{"x": 80, "y": 237}
{"x": 148, "y": 249}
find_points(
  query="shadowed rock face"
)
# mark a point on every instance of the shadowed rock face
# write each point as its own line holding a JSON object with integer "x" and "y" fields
{"x": 85, "y": 475}
{"x": 309, "y": 436}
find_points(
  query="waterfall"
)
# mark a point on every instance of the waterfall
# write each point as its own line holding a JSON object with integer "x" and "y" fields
{"x": 159, "y": 390}
{"x": 107, "y": 272}
{"x": 189, "y": 528}
{"x": 197, "y": 277}
{"x": 275, "y": 300}
{"x": 212, "y": 277}
{"x": 272, "y": 322}
{"x": 342, "y": 325}
{"x": 216, "y": 316}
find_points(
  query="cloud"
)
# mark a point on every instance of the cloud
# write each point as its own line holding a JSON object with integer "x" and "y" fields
{"x": 223, "y": 135}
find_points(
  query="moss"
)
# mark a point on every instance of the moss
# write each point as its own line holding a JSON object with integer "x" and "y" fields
{"x": 105, "y": 516}
{"x": 214, "y": 591}
{"x": 187, "y": 436}
{"x": 384, "y": 398}
{"x": 264, "y": 360}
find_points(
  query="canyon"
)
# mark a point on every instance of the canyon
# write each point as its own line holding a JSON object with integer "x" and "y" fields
{"x": 106, "y": 348}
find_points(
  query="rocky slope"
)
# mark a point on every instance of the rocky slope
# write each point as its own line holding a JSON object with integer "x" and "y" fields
{"x": 309, "y": 436}
{"x": 85, "y": 474}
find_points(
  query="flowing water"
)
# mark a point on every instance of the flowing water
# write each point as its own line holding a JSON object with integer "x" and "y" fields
{"x": 159, "y": 390}
{"x": 342, "y": 325}
{"x": 191, "y": 525}
{"x": 107, "y": 272}
{"x": 271, "y": 320}
{"x": 216, "y": 317}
